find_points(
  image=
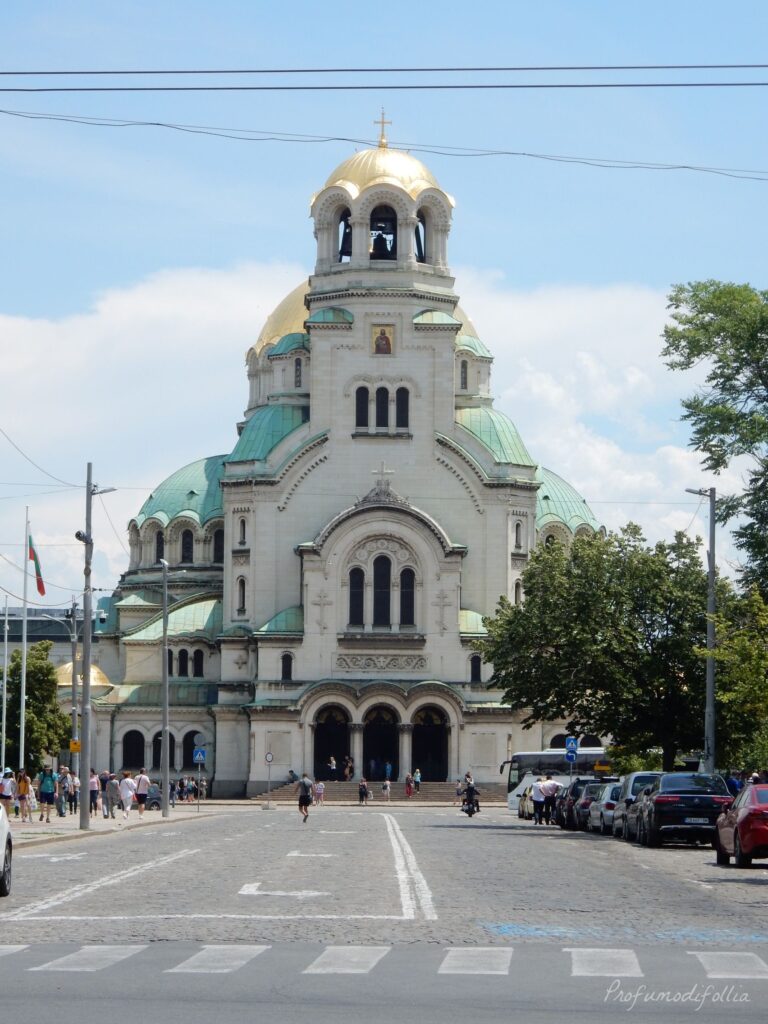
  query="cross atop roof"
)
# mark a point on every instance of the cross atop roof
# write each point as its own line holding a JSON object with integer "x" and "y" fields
{"x": 382, "y": 136}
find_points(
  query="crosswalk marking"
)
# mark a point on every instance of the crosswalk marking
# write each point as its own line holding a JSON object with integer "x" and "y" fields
{"x": 604, "y": 963}
{"x": 347, "y": 960}
{"x": 298, "y": 853}
{"x": 6, "y": 950}
{"x": 732, "y": 965}
{"x": 90, "y": 958}
{"x": 476, "y": 960}
{"x": 217, "y": 960}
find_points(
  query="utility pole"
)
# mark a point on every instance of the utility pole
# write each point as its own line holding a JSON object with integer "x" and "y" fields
{"x": 709, "y": 708}
{"x": 73, "y": 637}
{"x": 5, "y": 684}
{"x": 165, "y": 740}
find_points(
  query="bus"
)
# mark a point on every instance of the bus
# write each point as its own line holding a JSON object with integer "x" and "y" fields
{"x": 525, "y": 766}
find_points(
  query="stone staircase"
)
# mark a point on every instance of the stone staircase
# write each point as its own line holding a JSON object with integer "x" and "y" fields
{"x": 430, "y": 793}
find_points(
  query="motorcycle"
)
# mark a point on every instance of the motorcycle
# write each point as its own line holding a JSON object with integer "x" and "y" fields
{"x": 469, "y": 808}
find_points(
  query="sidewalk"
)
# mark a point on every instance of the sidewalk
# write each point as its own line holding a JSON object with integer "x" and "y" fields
{"x": 38, "y": 832}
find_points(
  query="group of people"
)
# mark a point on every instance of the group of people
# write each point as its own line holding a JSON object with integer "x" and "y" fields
{"x": 60, "y": 792}
{"x": 736, "y": 781}
{"x": 543, "y": 793}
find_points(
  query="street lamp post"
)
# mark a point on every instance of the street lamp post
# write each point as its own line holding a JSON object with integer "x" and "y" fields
{"x": 72, "y": 627}
{"x": 709, "y": 708}
{"x": 165, "y": 752}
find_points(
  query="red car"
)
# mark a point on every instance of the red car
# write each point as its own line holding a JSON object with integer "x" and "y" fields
{"x": 742, "y": 829}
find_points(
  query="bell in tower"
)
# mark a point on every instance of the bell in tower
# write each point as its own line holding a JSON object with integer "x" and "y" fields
{"x": 345, "y": 243}
{"x": 383, "y": 233}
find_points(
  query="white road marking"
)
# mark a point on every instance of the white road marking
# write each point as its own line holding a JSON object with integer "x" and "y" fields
{"x": 7, "y": 950}
{"x": 298, "y": 853}
{"x": 91, "y": 958}
{"x": 76, "y": 891}
{"x": 52, "y": 857}
{"x": 347, "y": 960}
{"x": 476, "y": 960}
{"x": 218, "y": 960}
{"x": 420, "y": 887}
{"x": 732, "y": 965}
{"x": 407, "y": 901}
{"x": 704, "y": 885}
{"x": 254, "y": 889}
{"x": 604, "y": 963}
{"x": 214, "y": 917}
{"x": 327, "y": 832}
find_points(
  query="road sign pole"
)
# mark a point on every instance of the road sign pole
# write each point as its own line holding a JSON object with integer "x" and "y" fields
{"x": 199, "y": 770}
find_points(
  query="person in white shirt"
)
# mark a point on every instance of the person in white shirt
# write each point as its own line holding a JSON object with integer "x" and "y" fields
{"x": 127, "y": 789}
{"x": 549, "y": 787}
{"x": 142, "y": 789}
{"x": 538, "y": 802}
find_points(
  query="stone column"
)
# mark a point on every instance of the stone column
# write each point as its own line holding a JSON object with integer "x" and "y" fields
{"x": 368, "y": 604}
{"x": 356, "y": 734}
{"x": 308, "y": 749}
{"x": 406, "y": 737}
{"x": 406, "y": 249}
{"x": 360, "y": 242}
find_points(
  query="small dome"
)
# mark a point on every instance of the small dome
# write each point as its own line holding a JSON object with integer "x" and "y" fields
{"x": 558, "y": 502}
{"x": 193, "y": 490}
{"x": 64, "y": 677}
{"x": 384, "y": 165}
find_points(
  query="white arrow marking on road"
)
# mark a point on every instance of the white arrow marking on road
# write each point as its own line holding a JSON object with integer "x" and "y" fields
{"x": 53, "y": 858}
{"x": 7, "y": 950}
{"x": 254, "y": 889}
{"x": 298, "y": 853}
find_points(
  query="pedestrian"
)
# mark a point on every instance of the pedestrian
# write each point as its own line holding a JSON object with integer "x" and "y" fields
{"x": 73, "y": 798}
{"x": 127, "y": 789}
{"x": 388, "y": 771}
{"x": 408, "y": 785}
{"x": 142, "y": 789}
{"x": 459, "y": 790}
{"x": 319, "y": 793}
{"x": 733, "y": 782}
{"x": 362, "y": 792}
{"x": 7, "y": 791}
{"x": 549, "y": 788}
{"x": 347, "y": 769}
{"x": 417, "y": 781}
{"x": 471, "y": 788}
{"x": 537, "y": 796}
{"x": 112, "y": 794}
{"x": 64, "y": 788}
{"x": 103, "y": 780}
{"x": 172, "y": 792}
{"x": 48, "y": 783}
{"x": 190, "y": 789}
{"x": 372, "y": 766}
{"x": 305, "y": 788}
{"x": 23, "y": 793}
{"x": 332, "y": 768}
{"x": 94, "y": 788}
{"x": 386, "y": 786}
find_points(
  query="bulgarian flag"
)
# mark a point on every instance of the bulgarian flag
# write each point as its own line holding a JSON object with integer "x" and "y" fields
{"x": 38, "y": 575}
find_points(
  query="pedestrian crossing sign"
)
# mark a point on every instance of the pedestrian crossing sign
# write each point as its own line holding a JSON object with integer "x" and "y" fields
{"x": 198, "y": 756}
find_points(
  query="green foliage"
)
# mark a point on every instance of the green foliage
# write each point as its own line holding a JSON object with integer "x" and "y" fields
{"x": 625, "y": 761}
{"x": 606, "y": 640}
{"x": 46, "y": 727}
{"x": 725, "y": 327}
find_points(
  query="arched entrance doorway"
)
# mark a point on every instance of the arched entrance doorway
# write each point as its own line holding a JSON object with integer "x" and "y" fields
{"x": 430, "y": 744}
{"x": 331, "y": 740}
{"x": 381, "y": 740}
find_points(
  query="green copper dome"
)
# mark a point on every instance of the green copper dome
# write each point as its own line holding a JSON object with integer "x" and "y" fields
{"x": 266, "y": 429}
{"x": 558, "y": 502}
{"x": 193, "y": 491}
{"x": 497, "y": 433}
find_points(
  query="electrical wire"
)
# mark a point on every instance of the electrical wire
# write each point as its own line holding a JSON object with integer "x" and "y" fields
{"x": 383, "y": 87}
{"x": 109, "y": 520}
{"x": 48, "y": 583}
{"x": 33, "y": 463}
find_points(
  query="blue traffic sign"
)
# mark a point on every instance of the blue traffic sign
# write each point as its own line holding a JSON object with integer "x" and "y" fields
{"x": 571, "y": 743}
{"x": 570, "y": 756}
{"x": 198, "y": 755}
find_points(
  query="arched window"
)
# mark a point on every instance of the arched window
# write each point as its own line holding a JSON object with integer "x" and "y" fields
{"x": 518, "y": 592}
{"x": 550, "y": 539}
{"x": 475, "y": 666}
{"x": 157, "y": 751}
{"x": 590, "y": 741}
{"x": 242, "y": 531}
{"x": 188, "y": 751}
{"x": 182, "y": 663}
{"x": 382, "y": 408}
{"x": 345, "y": 236}
{"x": 218, "y": 546}
{"x": 356, "y": 597}
{"x": 286, "y": 667}
{"x": 198, "y": 664}
{"x": 407, "y": 597}
{"x": 464, "y": 375}
{"x": 382, "y": 579}
{"x": 401, "y": 408}
{"x": 133, "y": 749}
{"x": 187, "y": 546}
{"x": 421, "y": 238}
{"x": 297, "y": 373}
{"x": 170, "y": 662}
{"x": 383, "y": 233}
{"x": 241, "y": 595}
{"x": 361, "y": 407}
{"x": 557, "y": 741}
{"x": 518, "y": 535}
{"x": 159, "y": 545}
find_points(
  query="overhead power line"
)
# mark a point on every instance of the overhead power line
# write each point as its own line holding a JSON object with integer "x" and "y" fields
{"x": 390, "y": 71}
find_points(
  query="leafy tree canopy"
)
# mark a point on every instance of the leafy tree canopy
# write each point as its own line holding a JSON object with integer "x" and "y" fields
{"x": 607, "y": 639}
{"x": 725, "y": 327}
{"x": 47, "y": 728}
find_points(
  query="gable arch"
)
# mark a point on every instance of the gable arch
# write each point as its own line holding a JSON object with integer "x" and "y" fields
{"x": 385, "y": 195}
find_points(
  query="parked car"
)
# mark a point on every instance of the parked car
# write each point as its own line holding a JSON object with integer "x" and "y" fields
{"x": 154, "y": 798}
{"x": 6, "y": 849}
{"x": 681, "y": 805}
{"x": 600, "y": 816}
{"x": 742, "y": 828}
{"x": 631, "y": 786}
{"x": 565, "y": 805}
{"x": 582, "y": 805}
{"x": 525, "y": 804}
{"x": 560, "y": 795}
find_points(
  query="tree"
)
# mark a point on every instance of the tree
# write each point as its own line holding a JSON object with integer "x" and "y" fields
{"x": 725, "y": 327}
{"x": 47, "y": 728}
{"x": 607, "y": 639}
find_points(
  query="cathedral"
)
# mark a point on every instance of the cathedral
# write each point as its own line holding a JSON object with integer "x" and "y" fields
{"x": 328, "y": 576}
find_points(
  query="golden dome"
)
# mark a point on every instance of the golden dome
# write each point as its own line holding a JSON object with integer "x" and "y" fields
{"x": 384, "y": 165}
{"x": 289, "y": 316}
{"x": 64, "y": 676}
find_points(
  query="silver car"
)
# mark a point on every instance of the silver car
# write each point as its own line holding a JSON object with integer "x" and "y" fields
{"x": 6, "y": 851}
{"x": 601, "y": 809}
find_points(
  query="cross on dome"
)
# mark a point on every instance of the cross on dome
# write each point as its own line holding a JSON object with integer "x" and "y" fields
{"x": 382, "y": 137}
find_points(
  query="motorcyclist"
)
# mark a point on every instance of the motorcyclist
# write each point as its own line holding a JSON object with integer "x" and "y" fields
{"x": 470, "y": 792}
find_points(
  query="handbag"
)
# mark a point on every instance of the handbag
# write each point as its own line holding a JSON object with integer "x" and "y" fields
{"x": 32, "y": 800}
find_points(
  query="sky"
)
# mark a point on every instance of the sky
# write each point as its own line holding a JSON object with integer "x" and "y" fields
{"x": 140, "y": 262}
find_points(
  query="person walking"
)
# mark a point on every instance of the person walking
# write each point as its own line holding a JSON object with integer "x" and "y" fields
{"x": 319, "y": 793}
{"x": 7, "y": 791}
{"x": 408, "y": 785}
{"x": 94, "y": 787}
{"x": 362, "y": 792}
{"x": 549, "y": 788}
{"x": 112, "y": 794}
{"x": 127, "y": 789}
{"x": 63, "y": 791}
{"x": 142, "y": 789}
{"x": 74, "y": 794}
{"x": 48, "y": 789}
{"x": 386, "y": 788}
{"x": 537, "y": 796}
{"x": 306, "y": 789}
{"x": 459, "y": 791}
{"x": 172, "y": 792}
{"x": 417, "y": 781}
{"x": 388, "y": 771}
{"x": 332, "y": 768}
{"x": 103, "y": 780}
{"x": 23, "y": 794}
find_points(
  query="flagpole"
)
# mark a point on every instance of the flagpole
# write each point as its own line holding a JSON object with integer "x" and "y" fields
{"x": 5, "y": 681}
{"x": 23, "y": 695}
